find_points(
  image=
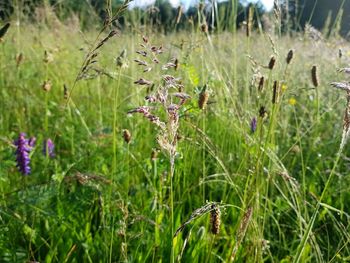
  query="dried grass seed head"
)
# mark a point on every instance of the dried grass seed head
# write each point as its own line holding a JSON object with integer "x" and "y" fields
{"x": 314, "y": 76}
{"x": 127, "y": 136}
{"x": 46, "y": 86}
{"x": 290, "y": 56}
{"x": 215, "y": 219}
{"x": 272, "y": 63}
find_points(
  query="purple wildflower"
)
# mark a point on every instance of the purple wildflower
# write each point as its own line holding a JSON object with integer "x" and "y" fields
{"x": 24, "y": 147}
{"x": 48, "y": 149}
{"x": 253, "y": 125}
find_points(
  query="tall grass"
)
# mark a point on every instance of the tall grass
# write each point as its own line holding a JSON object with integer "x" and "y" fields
{"x": 104, "y": 200}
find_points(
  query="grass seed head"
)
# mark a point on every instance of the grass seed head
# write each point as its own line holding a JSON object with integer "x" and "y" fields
{"x": 65, "y": 92}
{"x": 215, "y": 220}
{"x": 275, "y": 92}
{"x": 3, "y": 30}
{"x": 19, "y": 59}
{"x": 46, "y": 86}
{"x": 127, "y": 136}
{"x": 290, "y": 56}
{"x": 314, "y": 76}
{"x": 203, "y": 98}
{"x": 272, "y": 63}
{"x": 261, "y": 84}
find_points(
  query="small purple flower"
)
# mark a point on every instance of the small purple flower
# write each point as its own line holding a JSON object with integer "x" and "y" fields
{"x": 48, "y": 149}
{"x": 253, "y": 125}
{"x": 24, "y": 147}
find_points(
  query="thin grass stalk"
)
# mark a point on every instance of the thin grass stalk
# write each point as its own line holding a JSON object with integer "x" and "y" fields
{"x": 203, "y": 157}
{"x": 310, "y": 225}
{"x": 99, "y": 101}
{"x": 115, "y": 105}
{"x": 211, "y": 243}
{"x": 172, "y": 172}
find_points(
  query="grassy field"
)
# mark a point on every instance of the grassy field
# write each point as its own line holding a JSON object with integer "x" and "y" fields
{"x": 254, "y": 172}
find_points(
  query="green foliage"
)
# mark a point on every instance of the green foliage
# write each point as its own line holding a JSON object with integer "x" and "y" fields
{"x": 103, "y": 200}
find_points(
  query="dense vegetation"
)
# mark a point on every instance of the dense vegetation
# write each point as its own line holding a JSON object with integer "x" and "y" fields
{"x": 235, "y": 138}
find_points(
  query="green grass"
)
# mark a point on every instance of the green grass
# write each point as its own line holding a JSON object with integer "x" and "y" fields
{"x": 102, "y": 200}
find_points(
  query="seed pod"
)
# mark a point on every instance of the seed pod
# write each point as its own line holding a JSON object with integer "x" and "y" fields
{"x": 215, "y": 219}
{"x": 127, "y": 136}
{"x": 272, "y": 63}
{"x": 289, "y": 56}
{"x": 314, "y": 76}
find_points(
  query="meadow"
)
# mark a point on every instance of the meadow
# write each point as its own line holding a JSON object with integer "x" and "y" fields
{"x": 237, "y": 139}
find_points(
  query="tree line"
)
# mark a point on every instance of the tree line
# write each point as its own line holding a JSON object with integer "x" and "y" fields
{"x": 328, "y": 15}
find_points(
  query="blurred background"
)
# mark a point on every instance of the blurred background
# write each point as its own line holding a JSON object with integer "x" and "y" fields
{"x": 322, "y": 14}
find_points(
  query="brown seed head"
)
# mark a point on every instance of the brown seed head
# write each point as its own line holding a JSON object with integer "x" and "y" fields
{"x": 275, "y": 92}
{"x": 289, "y": 56}
{"x": 261, "y": 83}
{"x": 215, "y": 219}
{"x": 262, "y": 112}
{"x": 177, "y": 64}
{"x": 65, "y": 92}
{"x": 203, "y": 99}
{"x": 154, "y": 154}
{"x": 19, "y": 59}
{"x": 272, "y": 63}
{"x": 46, "y": 86}
{"x": 127, "y": 136}
{"x": 48, "y": 57}
{"x": 204, "y": 28}
{"x": 314, "y": 76}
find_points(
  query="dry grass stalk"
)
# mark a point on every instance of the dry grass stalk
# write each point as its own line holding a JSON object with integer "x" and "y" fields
{"x": 179, "y": 14}
{"x": 242, "y": 231}
{"x": 314, "y": 76}
{"x": 346, "y": 120}
{"x": 249, "y": 22}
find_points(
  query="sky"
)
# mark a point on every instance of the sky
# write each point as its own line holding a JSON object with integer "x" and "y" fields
{"x": 267, "y": 3}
